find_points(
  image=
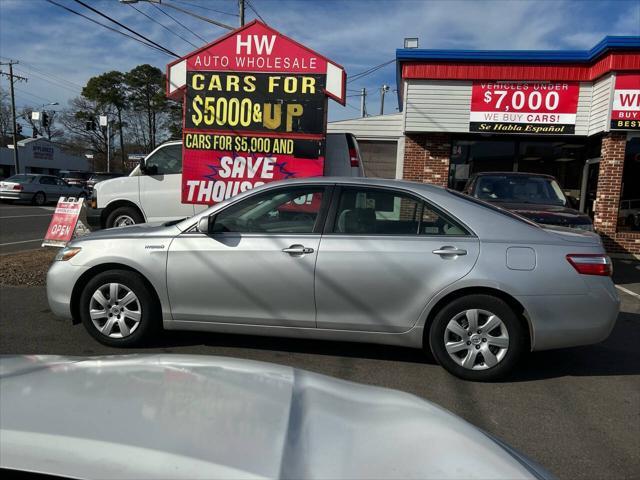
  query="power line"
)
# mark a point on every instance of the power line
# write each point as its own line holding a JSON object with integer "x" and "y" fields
{"x": 52, "y": 82}
{"x": 162, "y": 25}
{"x": 207, "y": 8}
{"x": 33, "y": 95}
{"x": 253, "y": 9}
{"x": 179, "y": 23}
{"x": 106, "y": 26}
{"x": 42, "y": 72}
{"x": 360, "y": 75}
{"x": 126, "y": 28}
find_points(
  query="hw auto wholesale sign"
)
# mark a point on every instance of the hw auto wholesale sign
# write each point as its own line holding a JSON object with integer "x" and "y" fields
{"x": 255, "y": 112}
{"x": 524, "y": 107}
{"x": 625, "y": 113}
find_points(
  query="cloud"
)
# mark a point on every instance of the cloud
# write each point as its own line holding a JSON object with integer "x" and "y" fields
{"x": 356, "y": 34}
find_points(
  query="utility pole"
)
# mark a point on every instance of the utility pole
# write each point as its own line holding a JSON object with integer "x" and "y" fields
{"x": 241, "y": 7}
{"x": 363, "y": 102}
{"x": 16, "y": 160}
{"x": 383, "y": 90}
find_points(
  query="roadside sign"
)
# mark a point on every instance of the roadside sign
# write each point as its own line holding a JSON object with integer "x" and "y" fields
{"x": 625, "y": 111}
{"x": 542, "y": 108}
{"x": 255, "y": 111}
{"x": 63, "y": 223}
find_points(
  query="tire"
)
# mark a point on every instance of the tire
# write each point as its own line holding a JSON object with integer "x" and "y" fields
{"x": 504, "y": 343}
{"x": 123, "y": 216}
{"x": 39, "y": 199}
{"x": 142, "y": 305}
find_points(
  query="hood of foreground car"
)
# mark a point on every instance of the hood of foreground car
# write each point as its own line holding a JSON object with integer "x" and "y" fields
{"x": 153, "y": 229}
{"x": 548, "y": 214}
{"x": 181, "y": 416}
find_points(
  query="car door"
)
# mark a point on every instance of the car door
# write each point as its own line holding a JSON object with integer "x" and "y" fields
{"x": 384, "y": 254}
{"x": 63, "y": 189}
{"x": 161, "y": 185}
{"x": 49, "y": 187}
{"x": 256, "y": 264}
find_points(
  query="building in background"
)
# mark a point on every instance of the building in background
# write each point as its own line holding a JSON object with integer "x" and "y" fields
{"x": 39, "y": 155}
{"x": 572, "y": 114}
{"x": 380, "y": 140}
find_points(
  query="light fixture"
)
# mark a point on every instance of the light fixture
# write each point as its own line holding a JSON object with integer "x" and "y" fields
{"x": 411, "y": 42}
{"x": 532, "y": 158}
{"x": 565, "y": 159}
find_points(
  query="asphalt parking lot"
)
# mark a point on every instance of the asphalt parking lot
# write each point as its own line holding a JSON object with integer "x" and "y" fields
{"x": 576, "y": 411}
{"x": 22, "y": 226}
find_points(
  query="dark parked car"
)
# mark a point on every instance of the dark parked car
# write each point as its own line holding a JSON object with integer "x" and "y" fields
{"x": 101, "y": 177}
{"x": 535, "y": 196}
{"x": 75, "y": 177}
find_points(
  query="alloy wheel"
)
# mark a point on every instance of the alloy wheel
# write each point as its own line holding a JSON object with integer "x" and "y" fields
{"x": 476, "y": 339}
{"x": 115, "y": 310}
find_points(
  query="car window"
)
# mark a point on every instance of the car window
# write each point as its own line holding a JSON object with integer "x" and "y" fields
{"x": 166, "y": 161}
{"x": 385, "y": 212}
{"x": 59, "y": 181}
{"x": 20, "y": 179}
{"x": 47, "y": 181}
{"x": 519, "y": 189}
{"x": 293, "y": 210}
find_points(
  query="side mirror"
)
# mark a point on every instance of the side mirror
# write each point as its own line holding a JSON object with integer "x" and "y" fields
{"x": 204, "y": 224}
{"x": 143, "y": 166}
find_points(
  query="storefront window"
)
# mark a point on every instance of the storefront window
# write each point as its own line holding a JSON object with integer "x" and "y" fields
{"x": 563, "y": 158}
{"x": 629, "y": 213}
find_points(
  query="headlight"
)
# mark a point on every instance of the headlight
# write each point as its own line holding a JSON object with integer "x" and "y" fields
{"x": 67, "y": 253}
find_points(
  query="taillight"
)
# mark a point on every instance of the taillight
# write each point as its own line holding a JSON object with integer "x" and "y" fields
{"x": 17, "y": 187}
{"x": 591, "y": 264}
{"x": 353, "y": 157}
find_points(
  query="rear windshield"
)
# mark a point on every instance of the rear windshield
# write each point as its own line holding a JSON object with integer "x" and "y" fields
{"x": 21, "y": 179}
{"x": 492, "y": 207}
{"x": 519, "y": 189}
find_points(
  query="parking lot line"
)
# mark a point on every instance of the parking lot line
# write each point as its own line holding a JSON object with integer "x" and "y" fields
{"x": 22, "y": 241}
{"x": 627, "y": 291}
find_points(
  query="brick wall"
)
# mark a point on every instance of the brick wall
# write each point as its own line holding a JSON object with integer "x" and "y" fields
{"x": 608, "y": 197}
{"x": 426, "y": 158}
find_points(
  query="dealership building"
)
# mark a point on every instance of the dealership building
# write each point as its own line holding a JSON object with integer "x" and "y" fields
{"x": 571, "y": 114}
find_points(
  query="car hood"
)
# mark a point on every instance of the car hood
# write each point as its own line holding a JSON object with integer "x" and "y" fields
{"x": 549, "y": 214}
{"x": 153, "y": 229}
{"x": 180, "y": 416}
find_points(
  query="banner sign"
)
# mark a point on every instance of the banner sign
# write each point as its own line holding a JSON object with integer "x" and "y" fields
{"x": 255, "y": 112}
{"x": 524, "y": 107}
{"x": 63, "y": 223}
{"x": 625, "y": 113}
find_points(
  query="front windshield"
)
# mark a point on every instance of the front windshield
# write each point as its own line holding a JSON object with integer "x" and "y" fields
{"x": 519, "y": 189}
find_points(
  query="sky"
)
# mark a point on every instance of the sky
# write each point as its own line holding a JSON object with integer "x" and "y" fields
{"x": 59, "y": 51}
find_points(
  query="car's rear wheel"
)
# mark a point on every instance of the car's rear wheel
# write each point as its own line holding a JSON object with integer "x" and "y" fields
{"x": 118, "y": 309}
{"x": 39, "y": 199}
{"x": 124, "y": 216}
{"x": 477, "y": 337}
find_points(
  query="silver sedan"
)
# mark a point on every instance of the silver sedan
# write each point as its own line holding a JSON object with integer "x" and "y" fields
{"x": 362, "y": 260}
{"x": 37, "y": 189}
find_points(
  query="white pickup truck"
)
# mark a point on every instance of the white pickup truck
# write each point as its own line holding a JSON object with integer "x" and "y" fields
{"x": 152, "y": 191}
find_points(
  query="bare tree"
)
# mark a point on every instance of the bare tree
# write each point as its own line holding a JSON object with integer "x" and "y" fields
{"x": 6, "y": 126}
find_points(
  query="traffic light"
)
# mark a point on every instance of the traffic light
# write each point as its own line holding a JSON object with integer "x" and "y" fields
{"x": 19, "y": 129}
{"x": 45, "y": 120}
{"x": 91, "y": 125}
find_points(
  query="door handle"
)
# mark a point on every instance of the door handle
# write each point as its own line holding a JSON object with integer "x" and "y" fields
{"x": 297, "y": 250}
{"x": 449, "y": 250}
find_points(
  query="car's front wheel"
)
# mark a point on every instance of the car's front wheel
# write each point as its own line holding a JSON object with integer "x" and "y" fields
{"x": 477, "y": 337}
{"x": 123, "y": 217}
{"x": 118, "y": 309}
{"x": 39, "y": 199}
